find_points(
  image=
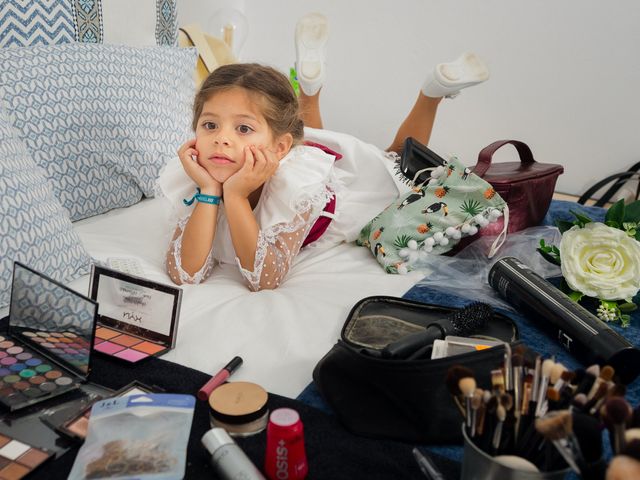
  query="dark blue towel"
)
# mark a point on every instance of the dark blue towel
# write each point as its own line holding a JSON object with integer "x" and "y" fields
{"x": 529, "y": 333}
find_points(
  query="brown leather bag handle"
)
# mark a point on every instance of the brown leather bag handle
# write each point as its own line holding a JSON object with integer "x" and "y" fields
{"x": 484, "y": 157}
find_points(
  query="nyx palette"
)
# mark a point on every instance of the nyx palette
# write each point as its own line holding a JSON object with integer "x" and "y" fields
{"x": 137, "y": 318}
{"x": 18, "y": 459}
{"x": 46, "y": 349}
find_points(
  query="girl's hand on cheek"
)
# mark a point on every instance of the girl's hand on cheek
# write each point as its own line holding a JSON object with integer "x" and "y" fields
{"x": 189, "y": 159}
{"x": 259, "y": 165}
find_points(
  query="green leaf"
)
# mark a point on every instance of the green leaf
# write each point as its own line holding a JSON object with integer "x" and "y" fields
{"x": 563, "y": 225}
{"x": 549, "y": 257}
{"x": 625, "y": 321}
{"x": 610, "y": 304}
{"x": 637, "y": 235}
{"x": 575, "y": 296}
{"x": 627, "y": 307}
{"x": 615, "y": 213}
{"x": 582, "y": 219}
{"x": 632, "y": 212}
{"x": 612, "y": 224}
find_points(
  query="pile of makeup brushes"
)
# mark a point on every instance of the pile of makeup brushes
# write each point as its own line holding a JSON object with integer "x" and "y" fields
{"x": 551, "y": 417}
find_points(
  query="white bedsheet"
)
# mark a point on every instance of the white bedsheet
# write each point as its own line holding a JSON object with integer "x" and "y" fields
{"x": 280, "y": 334}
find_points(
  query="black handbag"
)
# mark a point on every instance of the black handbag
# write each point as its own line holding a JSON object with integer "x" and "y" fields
{"x": 405, "y": 400}
{"x": 618, "y": 180}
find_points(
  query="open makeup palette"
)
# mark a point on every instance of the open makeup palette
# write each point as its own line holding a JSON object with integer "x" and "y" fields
{"x": 137, "y": 318}
{"x": 46, "y": 349}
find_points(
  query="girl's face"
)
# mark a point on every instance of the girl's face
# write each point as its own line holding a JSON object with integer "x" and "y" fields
{"x": 229, "y": 122}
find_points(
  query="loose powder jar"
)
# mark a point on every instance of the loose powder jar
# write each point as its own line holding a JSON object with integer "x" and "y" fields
{"x": 240, "y": 408}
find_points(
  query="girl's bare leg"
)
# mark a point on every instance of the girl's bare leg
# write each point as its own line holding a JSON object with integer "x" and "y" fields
{"x": 418, "y": 124}
{"x": 445, "y": 80}
{"x": 310, "y": 109}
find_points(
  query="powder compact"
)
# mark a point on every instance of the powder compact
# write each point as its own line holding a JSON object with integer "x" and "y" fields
{"x": 137, "y": 318}
{"x": 240, "y": 408}
{"x": 46, "y": 350}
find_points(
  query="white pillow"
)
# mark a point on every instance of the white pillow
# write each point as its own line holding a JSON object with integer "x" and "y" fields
{"x": 102, "y": 120}
{"x": 53, "y": 22}
{"x": 34, "y": 228}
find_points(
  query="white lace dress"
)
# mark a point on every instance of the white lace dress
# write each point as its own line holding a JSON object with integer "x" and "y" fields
{"x": 291, "y": 202}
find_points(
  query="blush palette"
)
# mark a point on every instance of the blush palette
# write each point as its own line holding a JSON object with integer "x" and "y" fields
{"x": 46, "y": 349}
{"x": 137, "y": 318}
{"x": 17, "y": 459}
{"x": 125, "y": 346}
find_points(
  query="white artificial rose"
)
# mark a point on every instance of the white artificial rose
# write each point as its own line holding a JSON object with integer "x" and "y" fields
{"x": 601, "y": 261}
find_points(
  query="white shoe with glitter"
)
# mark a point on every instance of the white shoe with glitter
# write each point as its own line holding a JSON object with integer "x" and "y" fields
{"x": 312, "y": 32}
{"x": 447, "y": 79}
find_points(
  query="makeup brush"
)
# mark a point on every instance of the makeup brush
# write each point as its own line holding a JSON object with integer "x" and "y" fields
{"x": 589, "y": 378}
{"x": 557, "y": 427}
{"x": 592, "y": 403}
{"x": 615, "y": 413}
{"x": 631, "y": 434}
{"x": 517, "y": 361}
{"x": 545, "y": 372}
{"x": 497, "y": 381}
{"x": 508, "y": 427}
{"x": 578, "y": 402}
{"x": 606, "y": 374}
{"x": 476, "y": 403}
{"x": 482, "y": 412}
{"x": 501, "y": 415}
{"x": 467, "y": 386}
{"x": 462, "y": 323}
{"x": 556, "y": 372}
{"x": 452, "y": 379}
{"x": 508, "y": 371}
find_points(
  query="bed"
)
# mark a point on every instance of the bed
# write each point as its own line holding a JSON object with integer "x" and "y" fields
{"x": 281, "y": 333}
{"x": 80, "y": 187}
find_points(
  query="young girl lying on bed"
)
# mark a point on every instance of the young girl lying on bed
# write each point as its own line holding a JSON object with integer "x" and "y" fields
{"x": 262, "y": 191}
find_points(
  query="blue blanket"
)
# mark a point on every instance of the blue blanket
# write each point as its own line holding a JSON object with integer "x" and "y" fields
{"x": 529, "y": 333}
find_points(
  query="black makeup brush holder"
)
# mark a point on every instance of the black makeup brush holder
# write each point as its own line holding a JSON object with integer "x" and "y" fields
{"x": 401, "y": 399}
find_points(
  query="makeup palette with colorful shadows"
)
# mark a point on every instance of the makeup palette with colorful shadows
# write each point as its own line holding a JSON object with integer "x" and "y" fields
{"x": 137, "y": 318}
{"x": 125, "y": 346}
{"x": 18, "y": 459}
{"x": 46, "y": 349}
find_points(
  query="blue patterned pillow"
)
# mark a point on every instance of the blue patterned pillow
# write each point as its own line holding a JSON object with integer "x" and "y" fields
{"x": 52, "y": 22}
{"x": 34, "y": 228}
{"x": 102, "y": 120}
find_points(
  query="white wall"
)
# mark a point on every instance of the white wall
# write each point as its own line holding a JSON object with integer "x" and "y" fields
{"x": 564, "y": 75}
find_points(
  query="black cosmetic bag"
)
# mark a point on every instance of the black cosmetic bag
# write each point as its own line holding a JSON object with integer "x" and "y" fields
{"x": 405, "y": 400}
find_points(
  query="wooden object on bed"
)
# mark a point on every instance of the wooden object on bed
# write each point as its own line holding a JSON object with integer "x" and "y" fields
{"x": 212, "y": 52}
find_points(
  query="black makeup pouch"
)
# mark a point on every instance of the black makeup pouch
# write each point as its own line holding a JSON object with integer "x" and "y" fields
{"x": 405, "y": 400}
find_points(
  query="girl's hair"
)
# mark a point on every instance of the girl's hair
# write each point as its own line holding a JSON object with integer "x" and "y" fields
{"x": 270, "y": 88}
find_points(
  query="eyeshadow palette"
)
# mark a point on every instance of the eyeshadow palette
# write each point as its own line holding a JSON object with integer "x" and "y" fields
{"x": 18, "y": 459}
{"x": 125, "y": 346}
{"x": 46, "y": 349}
{"x": 137, "y": 318}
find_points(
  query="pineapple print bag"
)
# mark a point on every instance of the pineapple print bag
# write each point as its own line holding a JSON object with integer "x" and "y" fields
{"x": 433, "y": 217}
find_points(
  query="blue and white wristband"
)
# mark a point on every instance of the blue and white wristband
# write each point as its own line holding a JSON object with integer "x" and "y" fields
{"x": 203, "y": 198}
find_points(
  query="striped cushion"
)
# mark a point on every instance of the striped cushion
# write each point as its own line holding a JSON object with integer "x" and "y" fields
{"x": 53, "y": 22}
{"x": 102, "y": 120}
{"x": 34, "y": 227}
